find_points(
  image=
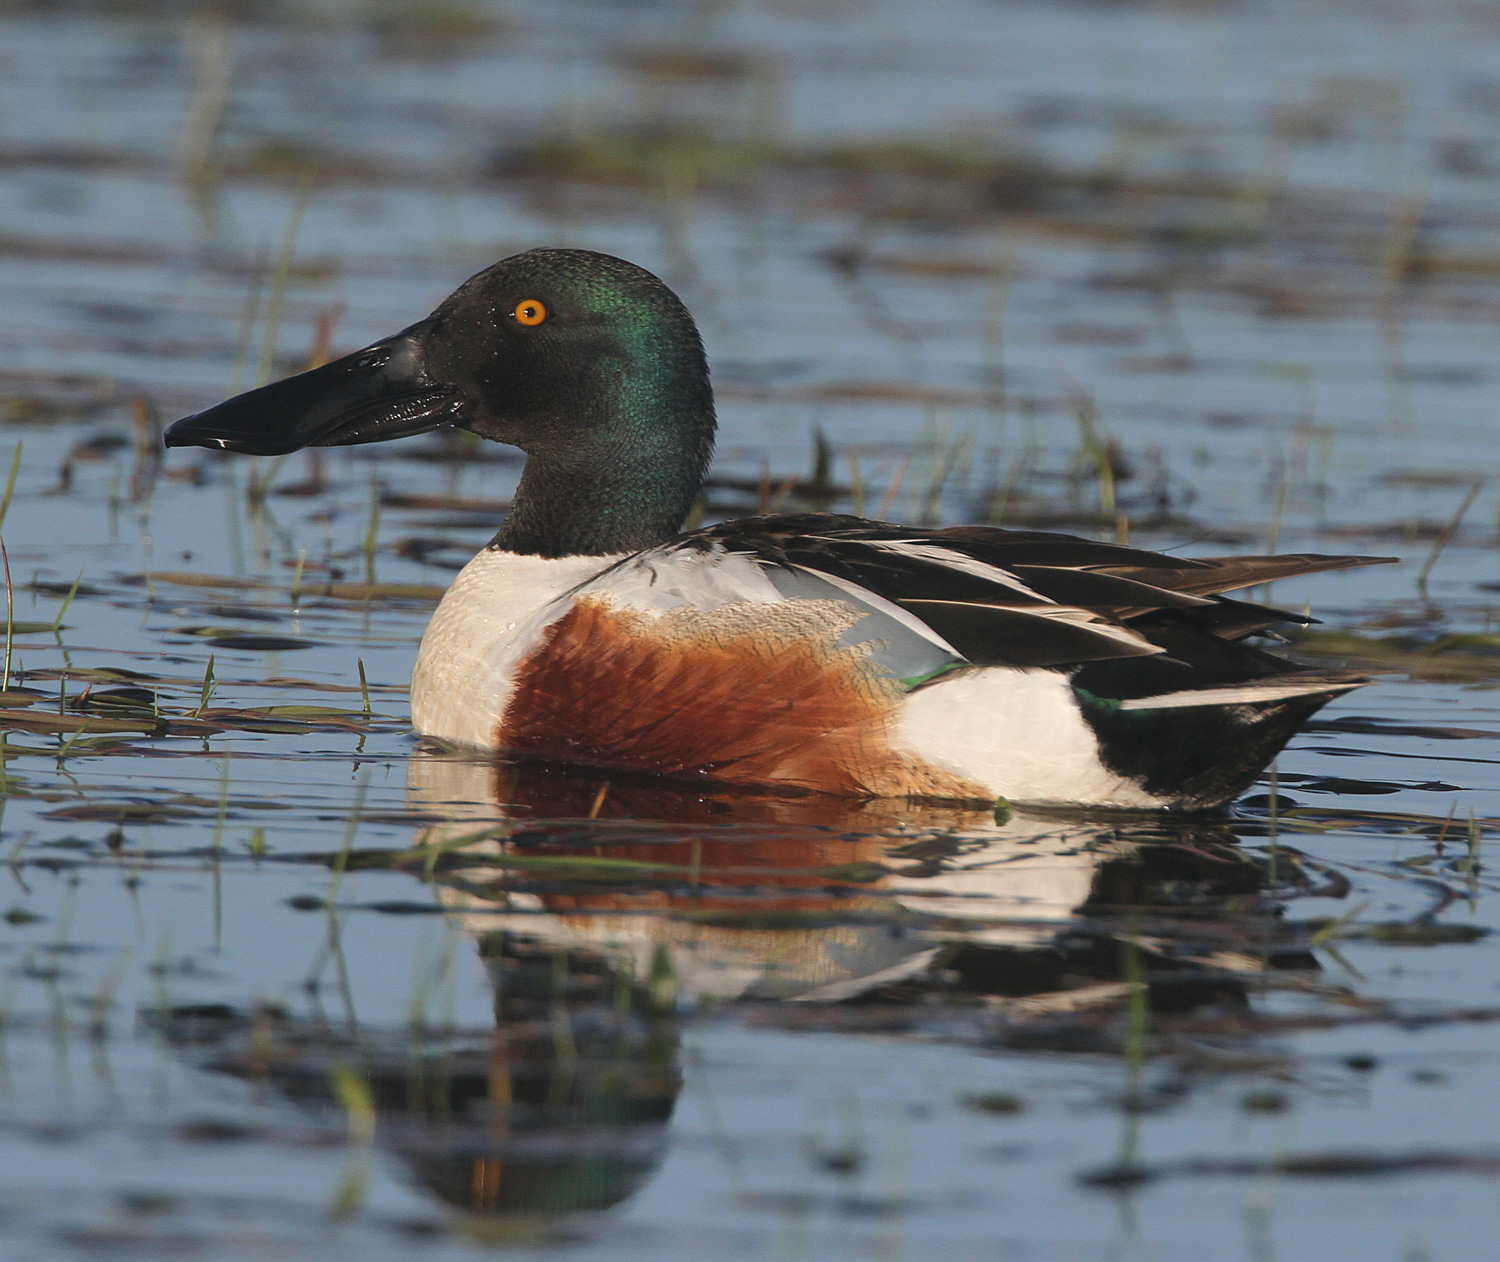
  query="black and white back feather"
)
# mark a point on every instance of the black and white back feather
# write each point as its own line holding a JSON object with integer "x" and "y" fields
{"x": 1126, "y": 622}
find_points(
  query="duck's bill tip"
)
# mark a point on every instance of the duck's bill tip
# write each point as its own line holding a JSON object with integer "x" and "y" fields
{"x": 201, "y": 430}
{"x": 372, "y": 396}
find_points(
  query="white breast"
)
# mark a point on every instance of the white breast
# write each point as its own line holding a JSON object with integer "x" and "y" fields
{"x": 499, "y": 603}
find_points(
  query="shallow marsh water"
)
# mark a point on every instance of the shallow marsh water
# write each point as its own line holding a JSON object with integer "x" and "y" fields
{"x": 275, "y": 982}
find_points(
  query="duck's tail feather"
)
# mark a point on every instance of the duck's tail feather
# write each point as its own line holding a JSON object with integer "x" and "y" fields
{"x": 1208, "y": 576}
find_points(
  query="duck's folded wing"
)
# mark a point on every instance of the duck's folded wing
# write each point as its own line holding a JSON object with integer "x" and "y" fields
{"x": 918, "y": 607}
{"x": 702, "y": 575}
{"x": 1028, "y": 598}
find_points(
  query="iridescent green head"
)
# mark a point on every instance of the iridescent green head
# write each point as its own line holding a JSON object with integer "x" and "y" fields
{"x": 589, "y": 364}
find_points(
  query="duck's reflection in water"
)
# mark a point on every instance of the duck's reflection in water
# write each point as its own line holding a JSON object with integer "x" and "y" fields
{"x": 561, "y": 1110}
{"x": 602, "y": 911}
{"x": 565, "y": 1112}
{"x": 807, "y": 899}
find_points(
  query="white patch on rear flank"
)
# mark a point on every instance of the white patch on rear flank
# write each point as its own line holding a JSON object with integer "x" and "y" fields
{"x": 1019, "y": 733}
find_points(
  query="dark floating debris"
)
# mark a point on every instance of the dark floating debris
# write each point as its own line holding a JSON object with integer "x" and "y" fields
{"x": 126, "y": 812}
{"x": 235, "y": 638}
{"x": 1425, "y": 934}
{"x": 998, "y": 1103}
{"x": 1266, "y": 1101}
{"x": 1349, "y": 786}
{"x": 1314, "y": 1165}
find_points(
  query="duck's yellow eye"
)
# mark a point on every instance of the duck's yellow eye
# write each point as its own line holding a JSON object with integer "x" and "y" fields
{"x": 530, "y": 311}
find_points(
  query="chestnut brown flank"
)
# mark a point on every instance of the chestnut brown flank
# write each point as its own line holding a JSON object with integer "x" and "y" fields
{"x": 746, "y": 694}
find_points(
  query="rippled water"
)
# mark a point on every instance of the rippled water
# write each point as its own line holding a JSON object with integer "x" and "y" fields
{"x": 276, "y": 982}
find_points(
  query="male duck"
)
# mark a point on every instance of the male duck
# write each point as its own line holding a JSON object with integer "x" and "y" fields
{"x": 800, "y": 651}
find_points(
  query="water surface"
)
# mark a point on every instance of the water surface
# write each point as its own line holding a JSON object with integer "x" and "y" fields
{"x": 274, "y": 981}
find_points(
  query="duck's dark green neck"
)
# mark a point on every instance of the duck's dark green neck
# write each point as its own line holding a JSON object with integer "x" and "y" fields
{"x": 604, "y": 499}
{"x": 621, "y": 462}
{"x": 616, "y": 417}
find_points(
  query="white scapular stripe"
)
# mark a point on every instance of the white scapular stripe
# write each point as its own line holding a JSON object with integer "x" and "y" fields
{"x": 936, "y": 554}
{"x": 1067, "y": 613}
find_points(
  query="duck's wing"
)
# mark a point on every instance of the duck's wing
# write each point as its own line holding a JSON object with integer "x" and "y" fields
{"x": 919, "y": 607}
{"x": 705, "y": 572}
{"x": 1030, "y": 598}
{"x": 976, "y": 600}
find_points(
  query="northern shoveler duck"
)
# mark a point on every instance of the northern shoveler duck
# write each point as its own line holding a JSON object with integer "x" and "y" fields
{"x": 803, "y": 652}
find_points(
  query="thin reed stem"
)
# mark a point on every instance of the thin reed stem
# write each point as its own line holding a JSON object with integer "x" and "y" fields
{"x": 856, "y": 484}
{"x": 10, "y": 617}
{"x": 279, "y": 280}
{"x": 10, "y": 485}
{"x": 894, "y": 489}
{"x": 1449, "y": 531}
